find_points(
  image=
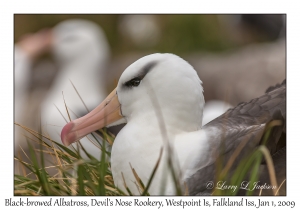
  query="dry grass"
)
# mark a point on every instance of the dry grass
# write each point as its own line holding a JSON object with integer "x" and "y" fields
{"x": 71, "y": 174}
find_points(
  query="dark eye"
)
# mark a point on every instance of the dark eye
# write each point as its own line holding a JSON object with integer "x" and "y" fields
{"x": 134, "y": 82}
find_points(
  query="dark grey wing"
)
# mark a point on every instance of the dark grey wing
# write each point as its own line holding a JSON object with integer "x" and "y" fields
{"x": 242, "y": 127}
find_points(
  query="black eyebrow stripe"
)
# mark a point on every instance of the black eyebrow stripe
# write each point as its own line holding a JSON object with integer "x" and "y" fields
{"x": 144, "y": 71}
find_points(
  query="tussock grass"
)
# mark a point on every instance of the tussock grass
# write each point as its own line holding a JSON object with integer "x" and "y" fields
{"x": 68, "y": 173}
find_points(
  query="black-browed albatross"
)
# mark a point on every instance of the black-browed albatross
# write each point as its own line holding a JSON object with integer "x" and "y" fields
{"x": 160, "y": 96}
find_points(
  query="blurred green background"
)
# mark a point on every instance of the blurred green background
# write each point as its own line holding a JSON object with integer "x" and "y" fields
{"x": 219, "y": 46}
{"x": 179, "y": 34}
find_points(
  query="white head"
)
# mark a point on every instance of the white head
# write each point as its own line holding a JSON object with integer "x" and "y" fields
{"x": 79, "y": 39}
{"x": 165, "y": 82}
{"x": 158, "y": 81}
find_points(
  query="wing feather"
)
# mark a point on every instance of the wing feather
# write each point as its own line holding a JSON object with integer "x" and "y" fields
{"x": 242, "y": 125}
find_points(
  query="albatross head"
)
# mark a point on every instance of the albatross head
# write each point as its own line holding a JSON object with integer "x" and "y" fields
{"x": 77, "y": 40}
{"x": 157, "y": 84}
